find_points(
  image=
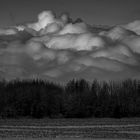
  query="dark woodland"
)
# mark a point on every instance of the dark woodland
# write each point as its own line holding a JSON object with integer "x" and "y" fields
{"x": 76, "y": 99}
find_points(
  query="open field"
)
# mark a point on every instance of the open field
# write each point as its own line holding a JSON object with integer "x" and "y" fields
{"x": 70, "y": 129}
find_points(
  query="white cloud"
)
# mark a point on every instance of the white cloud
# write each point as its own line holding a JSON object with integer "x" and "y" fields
{"x": 117, "y": 33}
{"x": 101, "y": 63}
{"x": 44, "y": 18}
{"x": 119, "y": 53}
{"x": 47, "y": 18}
{"x": 64, "y": 17}
{"x": 51, "y": 28}
{"x": 60, "y": 49}
{"x": 133, "y": 26}
{"x": 133, "y": 43}
{"x": 77, "y": 28}
{"x": 20, "y": 27}
{"x": 34, "y": 47}
{"x": 63, "y": 57}
{"x": 85, "y": 41}
{"x": 8, "y": 31}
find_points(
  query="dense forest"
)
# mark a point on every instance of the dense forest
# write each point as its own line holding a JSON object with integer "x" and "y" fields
{"x": 76, "y": 99}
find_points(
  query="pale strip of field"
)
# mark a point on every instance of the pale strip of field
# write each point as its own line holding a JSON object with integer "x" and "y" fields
{"x": 70, "y": 129}
{"x": 63, "y": 139}
{"x": 63, "y": 127}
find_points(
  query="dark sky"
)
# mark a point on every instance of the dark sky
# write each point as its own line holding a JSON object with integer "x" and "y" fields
{"x": 92, "y": 11}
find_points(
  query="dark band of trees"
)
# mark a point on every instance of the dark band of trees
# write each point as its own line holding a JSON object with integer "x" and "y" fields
{"x": 76, "y": 99}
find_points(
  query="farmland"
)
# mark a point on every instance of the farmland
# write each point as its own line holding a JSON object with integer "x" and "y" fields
{"x": 66, "y": 129}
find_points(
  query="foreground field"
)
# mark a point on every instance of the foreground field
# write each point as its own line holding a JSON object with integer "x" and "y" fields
{"x": 70, "y": 129}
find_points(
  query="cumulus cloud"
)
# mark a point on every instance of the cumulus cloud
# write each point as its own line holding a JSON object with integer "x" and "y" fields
{"x": 8, "y": 31}
{"x": 58, "y": 48}
{"x": 44, "y": 18}
{"x": 133, "y": 43}
{"x": 117, "y": 33}
{"x": 101, "y": 63}
{"x": 133, "y": 26}
{"x": 77, "y": 28}
{"x": 84, "y": 41}
{"x": 119, "y": 53}
{"x": 51, "y": 28}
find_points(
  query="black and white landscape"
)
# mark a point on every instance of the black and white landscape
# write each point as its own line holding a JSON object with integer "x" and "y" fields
{"x": 70, "y": 75}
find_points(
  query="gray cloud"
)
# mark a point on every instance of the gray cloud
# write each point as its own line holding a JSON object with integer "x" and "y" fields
{"x": 133, "y": 26}
{"x": 61, "y": 50}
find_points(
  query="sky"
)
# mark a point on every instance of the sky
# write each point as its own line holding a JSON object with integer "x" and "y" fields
{"x": 108, "y": 12}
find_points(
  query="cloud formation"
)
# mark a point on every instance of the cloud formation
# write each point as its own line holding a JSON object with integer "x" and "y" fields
{"x": 133, "y": 26}
{"x": 57, "y": 48}
{"x": 8, "y": 31}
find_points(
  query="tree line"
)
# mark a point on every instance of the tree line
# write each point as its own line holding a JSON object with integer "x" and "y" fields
{"x": 75, "y": 99}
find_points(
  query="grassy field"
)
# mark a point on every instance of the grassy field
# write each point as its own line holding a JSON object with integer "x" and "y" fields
{"x": 70, "y": 129}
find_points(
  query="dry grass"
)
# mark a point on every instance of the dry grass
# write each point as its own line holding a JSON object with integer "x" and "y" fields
{"x": 65, "y": 129}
